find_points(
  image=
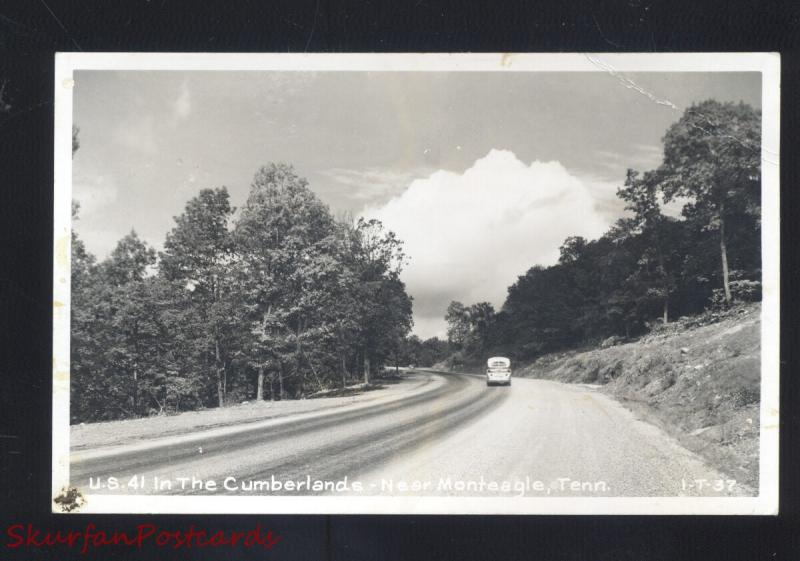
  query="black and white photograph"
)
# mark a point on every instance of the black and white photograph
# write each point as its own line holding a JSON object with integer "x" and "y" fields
{"x": 407, "y": 284}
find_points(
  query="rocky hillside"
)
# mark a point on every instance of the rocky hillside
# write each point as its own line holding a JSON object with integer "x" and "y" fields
{"x": 698, "y": 378}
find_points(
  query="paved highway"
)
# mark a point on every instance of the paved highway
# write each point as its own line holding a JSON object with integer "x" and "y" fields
{"x": 449, "y": 435}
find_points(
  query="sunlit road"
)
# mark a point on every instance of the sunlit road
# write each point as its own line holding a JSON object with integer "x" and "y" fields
{"x": 571, "y": 439}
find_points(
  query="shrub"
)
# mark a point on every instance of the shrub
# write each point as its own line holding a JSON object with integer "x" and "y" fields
{"x": 744, "y": 288}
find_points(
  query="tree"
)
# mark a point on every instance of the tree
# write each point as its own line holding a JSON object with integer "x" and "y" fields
{"x": 83, "y": 263}
{"x": 660, "y": 256}
{"x": 712, "y": 156}
{"x": 87, "y": 388}
{"x": 384, "y": 306}
{"x": 541, "y": 307}
{"x": 481, "y": 317}
{"x": 410, "y": 351}
{"x": 433, "y": 350}
{"x": 458, "y": 325}
{"x": 129, "y": 260}
{"x": 114, "y": 331}
{"x": 131, "y": 320}
{"x": 571, "y": 250}
{"x": 198, "y": 253}
{"x": 625, "y": 280}
{"x": 286, "y": 237}
{"x": 344, "y": 308}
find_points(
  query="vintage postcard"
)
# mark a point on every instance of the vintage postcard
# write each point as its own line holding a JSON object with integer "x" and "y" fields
{"x": 416, "y": 283}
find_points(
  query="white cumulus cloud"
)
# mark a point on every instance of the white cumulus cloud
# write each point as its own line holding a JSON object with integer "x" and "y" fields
{"x": 470, "y": 235}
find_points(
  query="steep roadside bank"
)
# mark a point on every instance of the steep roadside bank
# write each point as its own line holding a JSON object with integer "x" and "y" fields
{"x": 697, "y": 380}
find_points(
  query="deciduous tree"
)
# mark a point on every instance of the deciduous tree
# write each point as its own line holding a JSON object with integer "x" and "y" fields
{"x": 712, "y": 156}
{"x": 198, "y": 252}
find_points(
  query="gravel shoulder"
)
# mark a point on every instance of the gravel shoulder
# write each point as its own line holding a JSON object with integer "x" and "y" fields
{"x": 698, "y": 379}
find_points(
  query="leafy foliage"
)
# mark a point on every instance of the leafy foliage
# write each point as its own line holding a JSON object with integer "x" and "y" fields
{"x": 278, "y": 302}
{"x": 649, "y": 264}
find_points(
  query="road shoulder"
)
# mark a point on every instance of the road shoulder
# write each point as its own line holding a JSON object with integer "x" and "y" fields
{"x": 131, "y": 431}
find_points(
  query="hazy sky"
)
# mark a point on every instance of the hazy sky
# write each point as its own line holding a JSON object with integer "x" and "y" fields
{"x": 482, "y": 174}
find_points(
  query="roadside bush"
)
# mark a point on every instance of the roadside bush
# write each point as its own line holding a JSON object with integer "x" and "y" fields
{"x": 744, "y": 288}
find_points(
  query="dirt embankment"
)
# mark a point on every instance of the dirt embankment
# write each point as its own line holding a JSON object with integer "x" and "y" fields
{"x": 698, "y": 379}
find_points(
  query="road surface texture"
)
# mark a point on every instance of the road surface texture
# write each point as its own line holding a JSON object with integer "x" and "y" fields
{"x": 448, "y": 435}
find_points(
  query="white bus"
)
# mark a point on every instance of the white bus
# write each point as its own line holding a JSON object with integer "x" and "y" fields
{"x": 498, "y": 371}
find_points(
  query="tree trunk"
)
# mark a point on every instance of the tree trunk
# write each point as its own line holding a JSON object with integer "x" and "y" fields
{"x": 302, "y": 353}
{"x": 136, "y": 354}
{"x": 217, "y": 361}
{"x": 344, "y": 371}
{"x": 220, "y": 396}
{"x": 665, "y": 282}
{"x": 271, "y": 384}
{"x": 366, "y": 368}
{"x": 260, "y": 385}
{"x": 280, "y": 383}
{"x": 724, "y": 253}
{"x": 134, "y": 404}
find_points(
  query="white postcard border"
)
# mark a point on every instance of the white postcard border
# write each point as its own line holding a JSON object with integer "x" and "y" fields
{"x": 767, "y": 63}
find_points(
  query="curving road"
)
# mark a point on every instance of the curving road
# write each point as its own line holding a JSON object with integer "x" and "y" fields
{"x": 448, "y": 435}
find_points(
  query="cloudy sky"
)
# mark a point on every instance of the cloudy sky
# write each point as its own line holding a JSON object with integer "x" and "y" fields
{"x": 481, "y": 174}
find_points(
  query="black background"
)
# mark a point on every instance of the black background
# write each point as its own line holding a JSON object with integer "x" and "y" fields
{"x": 32, "y": 31}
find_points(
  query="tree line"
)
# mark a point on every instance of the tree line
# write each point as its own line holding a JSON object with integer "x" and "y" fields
{"x": 649, "y": 267}
{"x": 275, "y": 300}
{"x": 422, "y": 352}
